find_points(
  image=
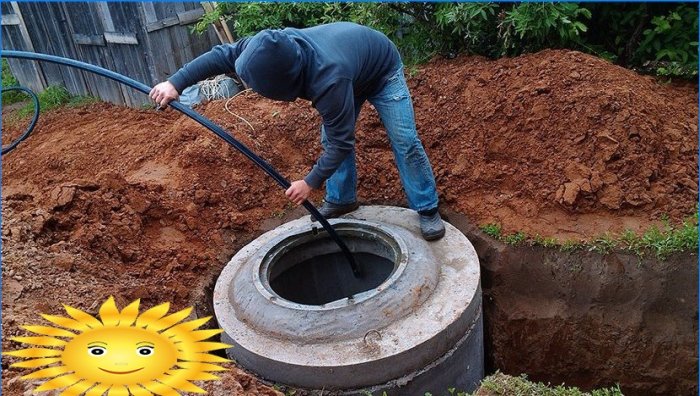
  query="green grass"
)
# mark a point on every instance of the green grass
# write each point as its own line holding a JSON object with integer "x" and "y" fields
{"x": 492, "y": 230}
{"x": 80, "y": 100}
{"x": 9, "y": 80}
{"x": 500, "y": 384}
{"x": 660, "y": 241}
{"x": 56, "y": 96}
{"x": 570, "y": 245}
{"x": 669, "y": 239}
{"x": 504, "y": 385}
{"x": 546, "y": 242}
{"x": 52, "y": 97}
{"x": 514, "y": 239}
{"x": 603, "y": 244}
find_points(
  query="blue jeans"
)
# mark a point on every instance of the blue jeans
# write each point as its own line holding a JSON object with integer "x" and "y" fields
{"x": 395, "y": 108}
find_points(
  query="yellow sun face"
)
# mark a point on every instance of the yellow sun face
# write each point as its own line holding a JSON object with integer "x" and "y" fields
{"x": 120, "y": 355}
{"x": 122, "y": 352}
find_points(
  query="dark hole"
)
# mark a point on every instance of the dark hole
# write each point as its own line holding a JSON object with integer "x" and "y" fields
{"x": 315, "y": 273}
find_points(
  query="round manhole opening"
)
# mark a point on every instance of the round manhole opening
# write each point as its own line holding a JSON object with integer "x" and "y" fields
{"x": 309, "y": 269}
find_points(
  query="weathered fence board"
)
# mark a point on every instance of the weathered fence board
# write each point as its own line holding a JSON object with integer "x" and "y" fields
{"x": 27, "y": 72}
{"x": 86, "y": 21}
{"x": 10, "y": 19}
{"x": 48, "y": 35}
{"x": 120, "y": 36}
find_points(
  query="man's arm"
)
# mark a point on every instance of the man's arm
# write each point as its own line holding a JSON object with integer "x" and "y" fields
{"x": 221, "y": 59}
{"x": 337, "y": 107}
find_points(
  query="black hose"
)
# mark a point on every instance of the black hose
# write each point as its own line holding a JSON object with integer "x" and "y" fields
{"x": 284, "y": 183}
{"x": 32, "y": 124}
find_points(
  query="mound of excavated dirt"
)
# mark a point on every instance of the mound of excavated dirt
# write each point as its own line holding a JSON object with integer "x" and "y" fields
{"x": 105, "y": 200}
{"x": 558, "y": 136}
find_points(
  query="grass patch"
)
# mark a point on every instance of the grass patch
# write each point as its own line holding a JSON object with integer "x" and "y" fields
{"x": 514, "y": 239}
{"x": 661, "y": 241}
{"x": 9, "y": 80}
{"x": 53, "y": 97}
{"x": 500, "y": 384}
{"x": 571, "y": 245}
{"x": 546, "y": 242}
{"x": 80, "y": 100}
{"x": 504, "y": 385}
{"x": 669, "y": 239}
{"x": 492, "y": 230}
{"x": 603, "y": 244}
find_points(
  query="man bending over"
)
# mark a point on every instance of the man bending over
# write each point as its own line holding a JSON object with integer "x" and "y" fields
{"x": 337, "y": 67}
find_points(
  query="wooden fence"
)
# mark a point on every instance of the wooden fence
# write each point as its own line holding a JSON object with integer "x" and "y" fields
{"x": 146, "y": 41}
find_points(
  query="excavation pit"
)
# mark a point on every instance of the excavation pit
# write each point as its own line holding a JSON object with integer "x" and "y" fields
{"x": 296, "y": 314}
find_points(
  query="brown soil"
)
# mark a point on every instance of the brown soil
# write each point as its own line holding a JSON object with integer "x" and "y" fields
{"x": 105, "y": 200}
{"x": 10, "y": 115}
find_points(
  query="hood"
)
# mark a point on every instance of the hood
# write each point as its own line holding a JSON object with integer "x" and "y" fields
{"x": 271, "y": 64}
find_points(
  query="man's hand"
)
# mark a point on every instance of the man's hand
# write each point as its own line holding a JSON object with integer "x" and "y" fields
{"x": 298, "y": 192}
{"x": 164, "y": 93}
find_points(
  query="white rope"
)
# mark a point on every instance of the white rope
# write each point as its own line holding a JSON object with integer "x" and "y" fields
{"x": 214, "y": 88}
{"x": 236, "y": 115}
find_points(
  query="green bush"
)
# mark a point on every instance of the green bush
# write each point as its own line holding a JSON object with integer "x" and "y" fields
{"x": 671, "y": 43}
{"x": 659, "y": 38}
{"x": 467, "y": 26}
{"x": 533, "y": 26}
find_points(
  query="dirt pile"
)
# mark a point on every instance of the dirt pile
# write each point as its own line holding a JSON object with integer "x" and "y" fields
{"x": 555, "y": 133}
{"x": 104, "y": 200}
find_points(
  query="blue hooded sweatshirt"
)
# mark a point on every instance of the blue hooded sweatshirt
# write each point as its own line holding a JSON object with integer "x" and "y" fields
{"x": 335, "y": 66}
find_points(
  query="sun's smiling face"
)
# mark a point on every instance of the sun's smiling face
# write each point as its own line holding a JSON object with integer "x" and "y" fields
{"x": 121, "y": 353}
{"x": 122, "y": 356}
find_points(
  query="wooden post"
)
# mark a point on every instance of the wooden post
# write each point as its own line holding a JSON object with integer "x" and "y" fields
{"x": 226, "y": 29}
{"x": 223, "y": 23}
{"x": 222, "y": 31}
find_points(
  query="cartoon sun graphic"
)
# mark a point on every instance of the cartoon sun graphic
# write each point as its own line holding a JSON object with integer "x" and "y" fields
{"x": 121, "y": 353}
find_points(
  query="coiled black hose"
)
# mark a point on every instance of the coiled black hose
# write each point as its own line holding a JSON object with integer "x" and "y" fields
{"x": 284, "y": 183}
{"x": 32, "y": 124}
